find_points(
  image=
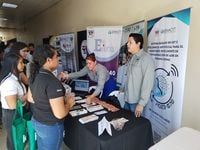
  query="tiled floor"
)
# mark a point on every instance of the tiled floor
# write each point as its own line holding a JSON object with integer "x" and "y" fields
{"x": 3, "y": 141}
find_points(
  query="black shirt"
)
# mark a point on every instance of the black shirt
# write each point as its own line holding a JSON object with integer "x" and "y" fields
{"x": 45, "y": 87}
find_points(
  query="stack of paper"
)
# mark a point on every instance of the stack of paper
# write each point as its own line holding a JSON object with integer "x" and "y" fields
{"x": 78, "y": 98}
{"x": 75, "y": 107}
{"x": 94, "y": 108}
{"x": 78, "y": 112}
{"x": 89, "y": 118}
{"x": 81, "y": 101}
{"x": 118, "y": 124}
{"x": 101, "y": 112}
{"x": 88, "y": 105}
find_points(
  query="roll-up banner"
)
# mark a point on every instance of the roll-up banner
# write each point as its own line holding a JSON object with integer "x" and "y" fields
{"x": 168, "y": 45}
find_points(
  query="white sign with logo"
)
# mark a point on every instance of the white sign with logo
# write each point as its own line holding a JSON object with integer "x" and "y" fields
{"x": 168, "y": 44}
{"x": 105, "y": 42}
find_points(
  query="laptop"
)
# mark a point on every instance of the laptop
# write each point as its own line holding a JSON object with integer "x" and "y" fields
{"x": 81, "y": 87}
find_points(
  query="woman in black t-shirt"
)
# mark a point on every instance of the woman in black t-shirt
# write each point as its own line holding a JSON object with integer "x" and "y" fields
{"x": 48, "y": 96}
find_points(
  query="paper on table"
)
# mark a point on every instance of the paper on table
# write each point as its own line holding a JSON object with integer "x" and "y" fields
{"x": 88, "y": 105}
{"x": 78, "y": 112}
{"x": 75, "y": 107}
{"x": 118, "y": 124}
{"x": 100, "y": 112}
{"x": 94, "y": 108}
{"x": 81, "y": 101}
{"x": 104, "y": 124}
{"x": 78, "y": 98}
{"x": 88, "y": 118}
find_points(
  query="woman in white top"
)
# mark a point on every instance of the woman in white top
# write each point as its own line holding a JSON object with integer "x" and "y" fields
{"x": 11, "y": 88}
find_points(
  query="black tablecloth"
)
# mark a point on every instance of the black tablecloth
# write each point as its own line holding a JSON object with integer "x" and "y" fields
{"x": 136, "y": 134}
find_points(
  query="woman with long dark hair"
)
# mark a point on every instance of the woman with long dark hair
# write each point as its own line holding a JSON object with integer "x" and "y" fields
{"x": 47, "y": 94}
{"x": 21, "y": 49}
{"x": 11, "y": 88}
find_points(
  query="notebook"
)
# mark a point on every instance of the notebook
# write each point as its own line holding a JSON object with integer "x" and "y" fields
{"x": 81, "y": 87}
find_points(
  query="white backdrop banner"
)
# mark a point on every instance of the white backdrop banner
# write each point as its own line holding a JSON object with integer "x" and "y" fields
{"x": 105, "y": 42}
{"x": 168, "y": 45}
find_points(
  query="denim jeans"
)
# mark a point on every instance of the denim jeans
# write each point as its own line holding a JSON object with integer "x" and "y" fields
{"x": 49, "y": 137}
{"x": 7, "y": 118}
{"x": 130, "y": 107}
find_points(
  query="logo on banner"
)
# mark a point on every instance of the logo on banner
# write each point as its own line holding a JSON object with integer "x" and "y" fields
{"x": 114, "y": 31}
{"x": 104, "y": 42}
{"x": 66, "y": 44}
{"x": 90, "y": 33}
{"x": 100, "y": 45}
{"x": 136, "y": 28}
{"x": 162, "y": 94}
{"x": 165, "y": 31}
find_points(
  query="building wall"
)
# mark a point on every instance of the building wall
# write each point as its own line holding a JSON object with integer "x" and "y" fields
{"x": 7, "y": 34}
{"x": 75, "y": 15}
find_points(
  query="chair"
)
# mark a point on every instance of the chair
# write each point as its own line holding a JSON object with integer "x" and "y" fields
{"x": 113, "y": 101}
{"x": 114, "y": 93}
{"x": 120, "y": 97}
{"x": 92, "y": 89}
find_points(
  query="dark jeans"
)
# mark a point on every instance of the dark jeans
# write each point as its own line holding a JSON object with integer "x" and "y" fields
{"x": 7, "y": 118}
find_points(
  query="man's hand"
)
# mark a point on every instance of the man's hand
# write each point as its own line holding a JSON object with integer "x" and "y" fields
{"x": 138, "y": 110}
